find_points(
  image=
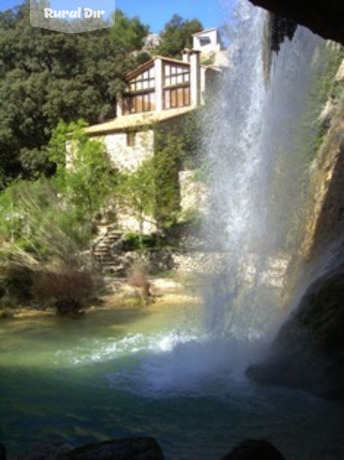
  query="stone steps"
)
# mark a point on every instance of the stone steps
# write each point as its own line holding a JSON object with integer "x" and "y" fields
{"x": 102, "y": 249}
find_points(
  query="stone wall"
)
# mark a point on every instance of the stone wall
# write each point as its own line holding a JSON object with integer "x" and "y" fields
{"x": 126, "y": 157}
{"x": 193, "y": 193}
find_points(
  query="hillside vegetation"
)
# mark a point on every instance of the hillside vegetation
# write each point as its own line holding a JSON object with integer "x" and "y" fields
{"x": 52, "y": 85}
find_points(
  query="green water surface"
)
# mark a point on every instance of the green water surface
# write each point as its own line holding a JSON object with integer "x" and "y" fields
{"x": 140, "y": 372}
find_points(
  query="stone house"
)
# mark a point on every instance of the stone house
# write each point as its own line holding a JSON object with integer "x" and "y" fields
{"x": 159, "y": 92}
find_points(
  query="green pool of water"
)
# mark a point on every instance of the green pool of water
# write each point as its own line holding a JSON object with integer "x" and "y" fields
{"x": 153, "y": 371}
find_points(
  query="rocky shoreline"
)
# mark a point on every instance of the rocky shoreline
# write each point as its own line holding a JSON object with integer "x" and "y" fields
{"x": 119, "y": 294}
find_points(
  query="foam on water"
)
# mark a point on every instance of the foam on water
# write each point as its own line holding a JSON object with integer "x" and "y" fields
{"x": 162, "y": 364}
{"x": 179, "y": 365}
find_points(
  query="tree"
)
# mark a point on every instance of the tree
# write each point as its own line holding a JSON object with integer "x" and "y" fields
{"x": 55, "y": 217}
{"x": 152, "y": 192}
{"x": 177, "y": 35}
{"x": 168, "y": 150}
{"x": 89, "y": 177}
{"x": 128, "y": 33}
{"x": 136, "y": 192}
{"x": 46, "y": 76}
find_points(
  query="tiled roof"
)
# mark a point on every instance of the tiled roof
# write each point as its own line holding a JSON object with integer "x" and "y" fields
{"x": 136, "y": 120}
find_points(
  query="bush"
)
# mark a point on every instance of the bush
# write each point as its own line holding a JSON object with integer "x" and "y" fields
{"x": 16, "y": 282}
{"x": 138, "y": 278}
{"x": 66, "y": 288}
{"x": 134, "y": 241}
{"x": 7, "y": 303}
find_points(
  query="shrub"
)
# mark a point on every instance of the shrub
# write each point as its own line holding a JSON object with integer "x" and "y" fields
{"x": 16, "y": 282}
{"x": 66, "y": 288}
{"x": 133, "y": 241}
{"x": 7, "y": 303}
{"x": 137, "y": 277}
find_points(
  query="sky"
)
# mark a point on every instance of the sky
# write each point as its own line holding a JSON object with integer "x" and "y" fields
{"x": 155, "y": 13}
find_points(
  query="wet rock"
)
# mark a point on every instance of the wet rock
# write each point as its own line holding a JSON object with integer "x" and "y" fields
{"x": 324, "y": 17}
{"x": 123, "y": 449}
{"x": 2, "y": 452}
{"x": 280, "y": 28}
{"x": 336, "y": 453}
{"x": 308, "y": 351}
{"x": 254, "y": 449}
{"x": 50, "y": 449}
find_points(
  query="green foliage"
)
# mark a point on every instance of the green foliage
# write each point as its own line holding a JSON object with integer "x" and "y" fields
{"x": 308, "y": 139}
{"x": 127, "y": 33}
{"x": 190, "y": 132}
{"x": 47, "y": 76}
{"x": 51, "y": 220}
{"x": 63, "y": 132}
{"x": 177, "y": 35}
{"x": 326, "y": 85}
{"x": 16, "y": 281}
{"x": 176, "y": 148}
{"x": 136, "y": 191}
{"x": 89, "y": 178}
{"x": 53, "y": 217}
{"x": 152, "y": 190}
{"x": 32, "y": 212}
{"x": 168, "y": 151}
{"x": 134, "y": 241}
{"x": 191, "y": 217}
{"x": 325, "y": 90}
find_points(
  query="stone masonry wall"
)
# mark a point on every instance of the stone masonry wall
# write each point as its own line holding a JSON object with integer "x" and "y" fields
{"x": 125, "y": 157}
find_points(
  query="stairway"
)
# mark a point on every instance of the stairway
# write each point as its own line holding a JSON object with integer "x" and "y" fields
{"x": 102, "y": 249}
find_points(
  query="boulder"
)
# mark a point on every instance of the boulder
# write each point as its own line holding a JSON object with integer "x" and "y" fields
{"x": 251, "y": 449}
{"x": 2, "y": 452}
{"x": 51, "y": 448}
{"x": 123, "y": 449}
{"x": 308, "y": 351}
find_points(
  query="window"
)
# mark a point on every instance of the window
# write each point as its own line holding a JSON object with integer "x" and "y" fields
{"x": 176, "y": 97}
{"x": 138, "y": 102}
{"x": 131, "y": 138}
{"x": 176, "y": 74}
{"x": 141, "y": 95}
{"x": 204, "y": 41}
{"x": 146, "y": 80}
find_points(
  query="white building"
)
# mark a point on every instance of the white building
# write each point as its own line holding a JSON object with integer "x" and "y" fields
{"x": 160, "y": 91}
{"x": 207, "y": 41}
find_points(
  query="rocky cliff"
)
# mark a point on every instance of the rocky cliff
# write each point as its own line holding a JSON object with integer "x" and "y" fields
{"x": 308, "y": 351}
{"x": 325, "y": 223}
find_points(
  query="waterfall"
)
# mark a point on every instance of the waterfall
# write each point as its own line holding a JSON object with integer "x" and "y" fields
{"x": 258, "y": 136}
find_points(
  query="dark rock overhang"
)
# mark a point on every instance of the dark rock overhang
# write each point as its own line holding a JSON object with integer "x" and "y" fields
{"x": 323, "y": 17}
